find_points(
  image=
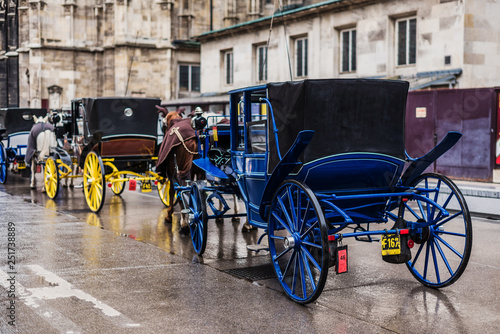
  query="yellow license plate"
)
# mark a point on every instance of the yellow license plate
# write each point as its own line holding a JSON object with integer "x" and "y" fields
{"x": 391, "y": 244}
{"x": 74, "y": 160}
{"x": 21, "y": 165}
{"x": 146, "y": 186}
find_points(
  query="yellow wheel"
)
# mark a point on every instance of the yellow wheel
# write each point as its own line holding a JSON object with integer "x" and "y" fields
{"x": 94, "y": 182}
{"x": 164, "y": 185}
{"x": 51, "y": 178}
{"x": 117, "y": 187}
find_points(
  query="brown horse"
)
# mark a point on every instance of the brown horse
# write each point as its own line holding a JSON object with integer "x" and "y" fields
{"x": 175, "y": 159}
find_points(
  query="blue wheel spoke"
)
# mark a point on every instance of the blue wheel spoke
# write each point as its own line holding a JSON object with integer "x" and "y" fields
{"x": 304, "y": 218}
{"x": 313, "y": 261}
{"x": 443, "y": 257}
{"x": 294, "y": 277}
{"x": 302, "y": 275}
{"x": 449, "y": 246}
{"x": 449, "y": 218}
{"x": 309, "y": 273}
{"x": 417, "y": 255}
{"x": 434, "y": 258}
{"x": 281, "y": 254}
{"x": 285, "y": 212}
{"x": 309, "y": 229}
{"x": 282, "y": 223}
{"x": 427, "y": 251}
{"x": 412, "y": 212}
{"x": 293, "y": 218}
{"x": 311, "y": 244}
{"x": 290, "y": 260}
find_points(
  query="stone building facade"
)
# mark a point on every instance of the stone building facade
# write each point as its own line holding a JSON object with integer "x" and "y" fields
{"x": 431, "y": 43}
{"x": 53, "y": 51}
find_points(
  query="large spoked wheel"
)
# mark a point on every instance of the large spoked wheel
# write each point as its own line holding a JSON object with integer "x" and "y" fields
{"x": 298, "y": 241}
{"x": 94, "y": 182}
{"x": 117, "y": 187}
{"x": 163, "y": 187}
{"x": 51, "y": 178}
{"x": 198, "y": 218}
{"x": 443, "y": 248}
{"x": 4, "y": 164}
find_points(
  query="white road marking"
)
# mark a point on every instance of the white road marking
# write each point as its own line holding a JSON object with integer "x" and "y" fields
{"x": 59, "y": 288}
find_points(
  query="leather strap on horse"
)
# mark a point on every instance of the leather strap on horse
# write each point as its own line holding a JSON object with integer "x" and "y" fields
{"x": 175, "y": 130}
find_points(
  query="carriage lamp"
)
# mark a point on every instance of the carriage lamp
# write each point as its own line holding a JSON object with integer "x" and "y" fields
{"x": 128, "y": 112}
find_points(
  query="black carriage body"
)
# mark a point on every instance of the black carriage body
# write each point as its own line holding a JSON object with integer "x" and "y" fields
{"x": 346, "y": 115}
{"x": 12, "y": 119}
{"x": 127, "y": 128}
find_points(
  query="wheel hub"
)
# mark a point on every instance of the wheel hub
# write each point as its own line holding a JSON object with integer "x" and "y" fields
{"x": 291, "y": 241}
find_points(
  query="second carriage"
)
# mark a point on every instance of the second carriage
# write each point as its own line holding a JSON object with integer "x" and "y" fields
{"x": 114, "y": 141}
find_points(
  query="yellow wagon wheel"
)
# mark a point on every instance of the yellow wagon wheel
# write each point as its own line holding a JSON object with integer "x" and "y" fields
{"x": 94, "y": 182}
{"x": 51, "y": 178}
{"x": 163, "y": 186}
{"x": 117, "y": 187}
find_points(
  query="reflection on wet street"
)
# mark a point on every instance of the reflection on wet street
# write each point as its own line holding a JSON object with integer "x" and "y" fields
{"x": 141, "y": 216}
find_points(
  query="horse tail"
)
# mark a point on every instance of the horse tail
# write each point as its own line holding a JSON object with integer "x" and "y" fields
{"x": 45, "y": 140}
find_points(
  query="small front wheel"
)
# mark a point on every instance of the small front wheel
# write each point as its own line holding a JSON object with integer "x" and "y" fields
{"x": 298, "y": 241}
{"x": 117, "y": 187}
{"x": 51, "y": 178}
{"x": 94, "y": 182}
{"x": 198, "y": 218}
{"x": 443, "y": 245}
{"x": 163, "y": 187}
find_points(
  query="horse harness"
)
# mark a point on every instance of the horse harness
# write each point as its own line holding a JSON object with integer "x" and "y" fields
{"x": 175, "y": 130}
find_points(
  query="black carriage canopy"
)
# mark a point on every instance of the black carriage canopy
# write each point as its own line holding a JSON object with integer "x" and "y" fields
{"x": 347, "y": 115}
{"x": 120, "y": 116}
{"x": 13, "y": 119}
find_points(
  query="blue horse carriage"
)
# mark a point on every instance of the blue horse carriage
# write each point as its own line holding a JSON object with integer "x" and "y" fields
{"x": 319, "y": 161}
{"x": 15, "y": 126}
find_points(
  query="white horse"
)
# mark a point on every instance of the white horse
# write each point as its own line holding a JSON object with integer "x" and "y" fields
{"x": 42, "y": 137}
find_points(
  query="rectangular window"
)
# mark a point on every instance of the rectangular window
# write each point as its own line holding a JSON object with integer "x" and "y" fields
{"x": 228, "y": 66}
{"x": 348, "y": 49}
{"x": 261, "y": 57}
{"x": 406, "y": 32}
{"x": 301, "y": 57}
{"x": 189, "y": 78}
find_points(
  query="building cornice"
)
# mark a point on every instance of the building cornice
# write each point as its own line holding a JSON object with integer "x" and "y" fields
{"x": 286, "y": 16}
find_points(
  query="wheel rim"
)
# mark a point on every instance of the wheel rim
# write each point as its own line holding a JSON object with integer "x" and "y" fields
{"x": 198, "y": 219}
{"x": 117, "y": 187}
{"x": 442, "y": 250}
{"x": 3, "y": 164}
{"x": 51, "y": 178}
{"x": 298, "y": 242}
{"x": 93, "y": 182}
{"x": 164, "y": 191}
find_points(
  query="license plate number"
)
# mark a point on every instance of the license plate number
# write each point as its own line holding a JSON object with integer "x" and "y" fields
{"x": 21, "y": 165}
{"x": 391, "y": 244}
{"x": 146, "y": 186}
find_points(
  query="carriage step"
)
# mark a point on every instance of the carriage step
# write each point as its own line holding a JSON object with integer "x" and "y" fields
{"x": 257, "y": 248}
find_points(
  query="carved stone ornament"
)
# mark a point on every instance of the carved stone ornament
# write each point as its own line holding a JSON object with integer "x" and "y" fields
{"x": 55, "y": 89}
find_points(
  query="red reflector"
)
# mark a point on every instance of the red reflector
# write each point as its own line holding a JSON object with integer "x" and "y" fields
{"x": 411, "y": 243}
{"x": 404, "y": 231}
{"x": 405, "y": 199}
{"x": 331, "y": 237}
{"x": 156, "y": 183}
{"x": 109, "y": 185}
